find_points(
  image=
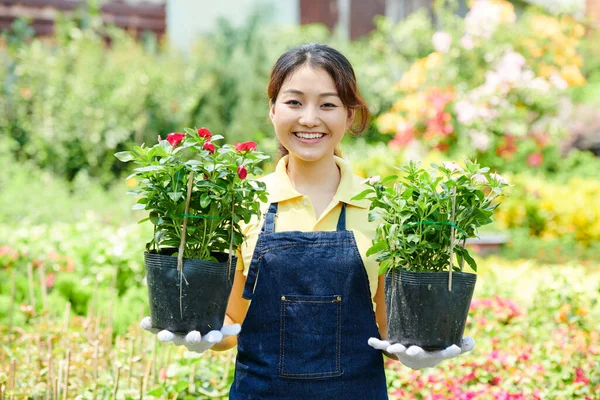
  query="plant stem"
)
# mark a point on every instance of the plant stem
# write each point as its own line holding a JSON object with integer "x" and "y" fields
{"x": 182, "y": 243}
{"x": 452, "y": 236}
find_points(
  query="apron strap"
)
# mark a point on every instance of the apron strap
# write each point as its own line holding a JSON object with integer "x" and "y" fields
{"x": 267, "y": 227}
{"x": 269, "y": 224}
{"x": 341, "y": 225}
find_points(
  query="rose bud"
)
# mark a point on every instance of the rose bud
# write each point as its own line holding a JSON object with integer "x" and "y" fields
{"x": 242, "y": 173}
{"x": 209, "y": 146}
{"x": 205, "y": 133}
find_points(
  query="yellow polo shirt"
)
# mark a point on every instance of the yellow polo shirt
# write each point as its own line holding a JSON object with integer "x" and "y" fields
{"x": 296, "y": 213}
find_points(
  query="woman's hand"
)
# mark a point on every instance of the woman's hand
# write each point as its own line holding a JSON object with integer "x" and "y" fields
{"x": 416, "y": 358}
{"x": 193, "y": 341}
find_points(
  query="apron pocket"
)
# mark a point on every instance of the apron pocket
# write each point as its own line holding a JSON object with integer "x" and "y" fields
{"x": 310, "y": 336}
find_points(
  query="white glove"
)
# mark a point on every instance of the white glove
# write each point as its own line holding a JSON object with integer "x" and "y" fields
{"x": 416, "y": 358}
{"x": 193, "y": 340}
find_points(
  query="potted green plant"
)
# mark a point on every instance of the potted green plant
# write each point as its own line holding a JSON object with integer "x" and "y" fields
{"x": 425, "y": 218}
{"x": 196, "y": 194}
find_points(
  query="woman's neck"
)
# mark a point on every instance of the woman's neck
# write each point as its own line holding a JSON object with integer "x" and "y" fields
{"x": 313, "y": 177}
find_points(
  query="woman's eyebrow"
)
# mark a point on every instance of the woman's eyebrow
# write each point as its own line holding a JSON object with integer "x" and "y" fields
{"x": 299, "y": 92}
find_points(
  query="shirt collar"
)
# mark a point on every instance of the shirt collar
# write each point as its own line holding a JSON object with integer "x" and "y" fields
{"x": 350, "y": 184}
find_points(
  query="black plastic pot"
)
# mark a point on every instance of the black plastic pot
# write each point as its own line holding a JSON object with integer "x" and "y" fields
{"x": 422, "y": 311}
{"x": 204, "y": 295}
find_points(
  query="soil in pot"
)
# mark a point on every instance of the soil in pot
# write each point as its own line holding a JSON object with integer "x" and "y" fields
{"x": 205, "y": 291}
{"x": 422, "y": 311}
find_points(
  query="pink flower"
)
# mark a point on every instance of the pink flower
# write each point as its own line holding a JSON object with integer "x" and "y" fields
{"x": 372, "y": 180}
{"x": 175, "y": 138}
{"x": 580, "y": 376}
{"x": 535, "y": 159}
{"x": 209, "y": 146}
{"x": 499, "y": 178}
{"x": 205, "y": 133}
{"x": 452, "y": 166}
{"x": 479, "y": 178}
{"x": 242, "y": 172}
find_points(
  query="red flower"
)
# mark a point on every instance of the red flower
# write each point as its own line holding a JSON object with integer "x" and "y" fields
{"x": 205, "y": 133}
{"x": 175, "y": 138}
{"x": 246, "y": 146}
{"x": 209, "y": 146}
{"x": 507, "y": 148}
{"x": 580, "y": 376}
{"x": 50, "y": 278}
{"x": 242, "y": 173}
{"x": 535, "y": 159}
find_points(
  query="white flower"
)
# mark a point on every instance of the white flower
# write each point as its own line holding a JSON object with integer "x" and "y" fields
{"x": 372, "y": 180}
{"x": 480, "y": 140}
{"x": 467, "y": 42}
{"x": 558, "y": 82}
{"x": 452, "y": 166}
{"x": 479, "y": 178}
{"x": 499, "y": 178}
{"x": 466, "y": 112}
{"x": 442, "y": 41}
{"x": 539, "y": 84}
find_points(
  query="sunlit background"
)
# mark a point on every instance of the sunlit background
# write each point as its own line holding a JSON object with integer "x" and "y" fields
{"x": 515, "y": 85}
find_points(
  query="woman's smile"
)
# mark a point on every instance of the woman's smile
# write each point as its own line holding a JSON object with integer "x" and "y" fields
{"x": 309, "y": 137}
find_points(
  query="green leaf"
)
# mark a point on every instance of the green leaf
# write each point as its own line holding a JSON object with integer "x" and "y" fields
{"x": 389, "y": 178}
{"x": 413, "y": 238}
{"x": 150, "y": 168}
{"x": 362, "y": 194}
{"x": 204, "y": 200}
{"x": 138, "y": 207}
{"x": 469, "y": 259}
{"x": 175, "y": 196}
{"x": 181, "y": 385}
{"x": 125, "y": 156}
{"x": 156, "y": 392}
{"x": 377, "y": 247}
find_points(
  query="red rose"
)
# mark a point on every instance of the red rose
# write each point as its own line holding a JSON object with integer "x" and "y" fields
{"x": 175, "y": 138}
{"x": 242, "y": 173}
{"x": 209, "y": 146}
{"x": 205, "y": 133}
{"x": 246, "y": 146}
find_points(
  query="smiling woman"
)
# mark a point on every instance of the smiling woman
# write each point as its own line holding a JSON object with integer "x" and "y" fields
{"x": 319, "y": 83}
{"x": 306, "y": 292}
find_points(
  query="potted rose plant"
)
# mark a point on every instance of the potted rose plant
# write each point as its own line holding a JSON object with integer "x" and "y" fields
{"x": 196, "y": 194}
{"x": 426, "y": 217}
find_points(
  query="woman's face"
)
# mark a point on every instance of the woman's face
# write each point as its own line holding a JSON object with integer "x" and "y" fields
{"x": 309, "y": 117}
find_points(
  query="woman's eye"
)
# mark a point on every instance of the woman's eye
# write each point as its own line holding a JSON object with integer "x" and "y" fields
{"x": 329, "y": 105}
{"x": 293, "y": 102}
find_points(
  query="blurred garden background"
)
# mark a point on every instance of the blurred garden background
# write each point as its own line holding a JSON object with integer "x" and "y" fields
{"x": 515, "y": 85}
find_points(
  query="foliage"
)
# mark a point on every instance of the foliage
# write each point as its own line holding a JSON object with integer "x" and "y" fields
{"x": 188, "y": 180}
{"x": 493, "y": 85}
{"x": 536, "y": 329}
{"x": 551, "y": 211}
{"x": 426, "y": 213}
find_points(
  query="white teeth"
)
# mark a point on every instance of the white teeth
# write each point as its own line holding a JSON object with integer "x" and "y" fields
{"x": 309, "y": 135}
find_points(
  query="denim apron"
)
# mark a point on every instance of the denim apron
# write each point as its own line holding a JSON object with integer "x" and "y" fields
{"x": 306, "y": 331}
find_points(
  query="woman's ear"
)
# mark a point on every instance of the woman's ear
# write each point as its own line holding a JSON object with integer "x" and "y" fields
{"x": 350, "y": 120}
{"x": 271, "y": 110}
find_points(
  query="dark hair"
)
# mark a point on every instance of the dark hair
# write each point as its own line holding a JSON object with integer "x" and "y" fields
{"x": 337, "y": 66}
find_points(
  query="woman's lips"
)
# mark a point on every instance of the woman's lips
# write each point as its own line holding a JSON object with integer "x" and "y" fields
{"x": 309, "y": 139}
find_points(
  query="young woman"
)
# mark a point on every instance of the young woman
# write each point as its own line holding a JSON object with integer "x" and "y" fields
{"x": 309, "y": 301}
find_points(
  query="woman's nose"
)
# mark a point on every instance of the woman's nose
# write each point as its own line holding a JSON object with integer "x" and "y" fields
{"x": 309, "y": 117}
